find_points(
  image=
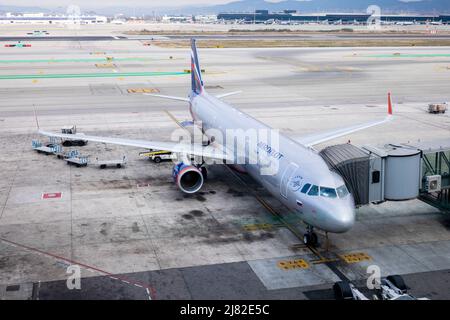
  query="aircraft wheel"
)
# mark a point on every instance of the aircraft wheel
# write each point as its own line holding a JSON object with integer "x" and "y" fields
{"x": 342, "y": 291}
{"x": 310, "y": 239}
{"x": 398, "y": 282}
{"x": 204, "y": 172}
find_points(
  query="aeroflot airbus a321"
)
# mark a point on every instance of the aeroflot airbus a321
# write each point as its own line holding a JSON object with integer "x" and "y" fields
{"x": 302, "y": 180}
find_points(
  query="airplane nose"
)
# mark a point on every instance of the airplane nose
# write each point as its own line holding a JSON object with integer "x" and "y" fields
{"x": 343, "y": 220}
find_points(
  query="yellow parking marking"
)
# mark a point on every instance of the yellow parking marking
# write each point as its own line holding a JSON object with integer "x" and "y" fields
{"x": 143, "y": 90}
{"x": 105, "y": 65}
{"x": 293, "y": 264}
{"x": 189, "y": 70}
{"x": 258, "y": 226}
{"x": 355, "y": 257}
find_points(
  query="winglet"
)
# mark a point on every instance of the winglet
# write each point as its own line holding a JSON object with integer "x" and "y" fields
{"x": 389, "y": 104}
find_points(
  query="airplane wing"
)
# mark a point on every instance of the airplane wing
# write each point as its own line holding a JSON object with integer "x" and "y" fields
{"x": 212, "y": 152}
{"x": 223, "y": 95}
{"x": 167, "y": 97}
{"x": 314, "y": 139}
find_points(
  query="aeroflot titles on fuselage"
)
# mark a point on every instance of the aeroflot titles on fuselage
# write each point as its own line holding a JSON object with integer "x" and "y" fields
{"x": 270, "y": 151}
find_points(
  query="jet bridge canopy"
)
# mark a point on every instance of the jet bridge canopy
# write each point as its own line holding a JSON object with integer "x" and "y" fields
{"x": 352, "y": 164}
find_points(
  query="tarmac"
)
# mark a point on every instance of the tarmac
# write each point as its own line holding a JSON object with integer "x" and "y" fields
{"x": 136, "y": 236}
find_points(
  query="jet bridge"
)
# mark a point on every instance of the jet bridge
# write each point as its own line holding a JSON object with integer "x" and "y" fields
{"x": 435, "y": 187}
{"x": 394, "y": 172}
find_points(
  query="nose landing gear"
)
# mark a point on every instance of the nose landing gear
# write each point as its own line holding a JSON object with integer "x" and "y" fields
{"x": 310, "y": 237}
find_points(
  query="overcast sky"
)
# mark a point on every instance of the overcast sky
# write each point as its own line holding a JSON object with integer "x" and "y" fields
{"x": 122, "y": 3}
{"x": 109, "y": 3}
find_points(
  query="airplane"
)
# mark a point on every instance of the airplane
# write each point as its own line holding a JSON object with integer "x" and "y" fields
{"x": 302, "y": 181}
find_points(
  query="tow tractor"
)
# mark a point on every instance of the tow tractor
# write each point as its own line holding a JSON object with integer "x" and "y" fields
{"x": 159, "y": 155}
{"x": 69, "y": 142}
{"x": 391, "y": 288}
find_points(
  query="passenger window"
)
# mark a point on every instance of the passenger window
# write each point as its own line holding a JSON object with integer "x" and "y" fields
{"x": 306, "y": 188}
{"x": 314, "y": 191}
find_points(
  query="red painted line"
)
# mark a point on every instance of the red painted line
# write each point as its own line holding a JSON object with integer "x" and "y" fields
{"x": 54, "y": 195}
{"x": 148, "y": 288}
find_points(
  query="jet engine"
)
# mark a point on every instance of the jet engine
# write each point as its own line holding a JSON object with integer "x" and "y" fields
{"x": 187, "y": 177}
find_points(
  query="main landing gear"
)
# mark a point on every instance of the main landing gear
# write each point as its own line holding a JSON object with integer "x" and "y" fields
{"x": 310, "y": 237}
{"x": 204, "y": 172}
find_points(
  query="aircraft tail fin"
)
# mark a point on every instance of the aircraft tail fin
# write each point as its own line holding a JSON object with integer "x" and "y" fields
{"x": 196, "y": 75}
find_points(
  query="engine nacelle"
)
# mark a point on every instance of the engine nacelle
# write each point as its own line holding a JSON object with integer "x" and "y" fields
{"x": 187, "y": 177}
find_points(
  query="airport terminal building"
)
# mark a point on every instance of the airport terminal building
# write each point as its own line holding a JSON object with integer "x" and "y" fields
{"x": 264, "y": 16}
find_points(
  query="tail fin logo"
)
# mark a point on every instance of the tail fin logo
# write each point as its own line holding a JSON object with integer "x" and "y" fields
{"x": 196, "y": 77}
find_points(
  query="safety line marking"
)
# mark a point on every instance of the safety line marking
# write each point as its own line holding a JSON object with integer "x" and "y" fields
{"x": 87, "y": 267}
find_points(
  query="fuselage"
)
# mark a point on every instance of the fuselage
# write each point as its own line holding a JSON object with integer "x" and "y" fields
{"x": 301, "y": 179}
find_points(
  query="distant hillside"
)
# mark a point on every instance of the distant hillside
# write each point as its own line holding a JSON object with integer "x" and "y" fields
{"x": 16, "y": 9}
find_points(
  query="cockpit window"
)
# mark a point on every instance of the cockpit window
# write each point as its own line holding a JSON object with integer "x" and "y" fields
{"x": 327, "y": 192}
{"x": 342, "y": 191}
{"x": 306, "y": 188}
{"x": 314, "y": 191}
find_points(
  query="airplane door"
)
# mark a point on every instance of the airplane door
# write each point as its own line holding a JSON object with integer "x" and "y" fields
{"x": 285, "y": 179}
